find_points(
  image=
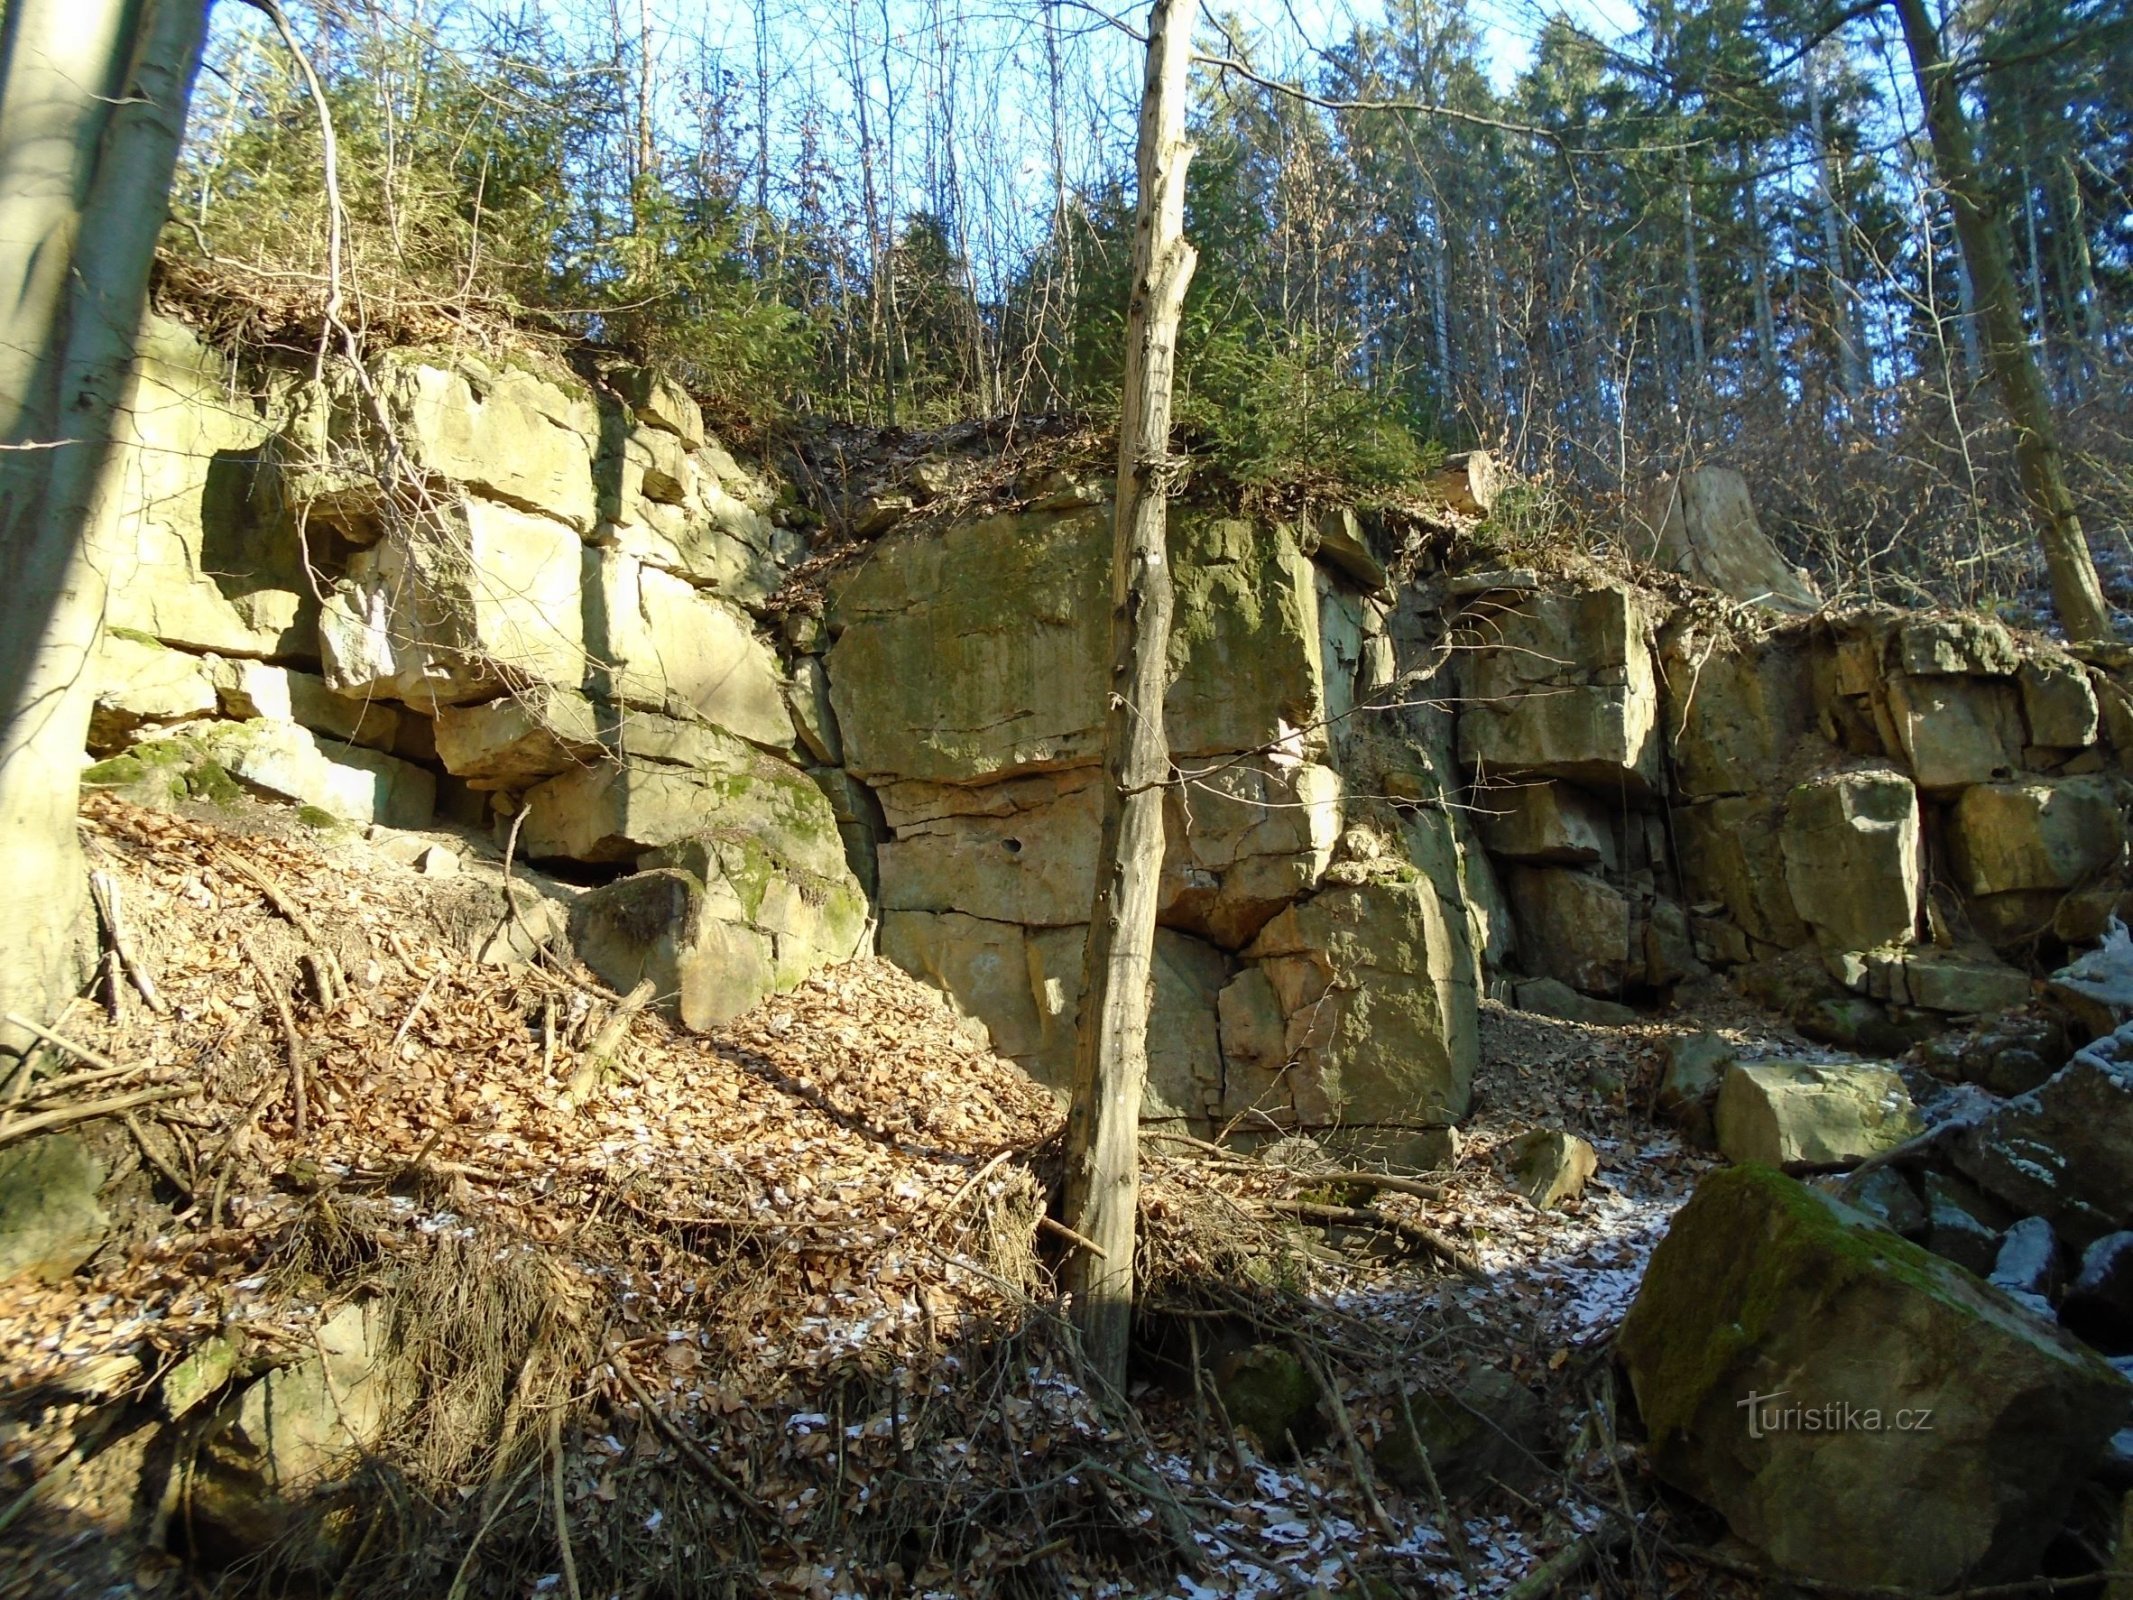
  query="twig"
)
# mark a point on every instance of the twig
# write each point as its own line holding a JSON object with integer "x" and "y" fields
{"x": 607, "y": 1041}
{"x": 1358, "y": 1461}
{"x": 274, "y": 993}
{"x": 562, "y": 1517}
{"x": 714, "y": 1474}
{"x": 1454, "y": 1534}
{"x": 1414, "y": 1233}
{"x": 279, "y": 899}
{"x": 216, "y": 1165}
{"x": 83, "y": 1080}
{"x": 459, "y": 1577}
{"x": 1559, "y": 1568}
{"x": 104, "y": 889}
{"x": 152, "y": 1156}
{"x": 392, "y": 1051}
{"x": 62, "y": 1042}
{"x": 934, "y": 1227}
{"x": 88, "y": 1110}
{"x": 1052, "y": 1224}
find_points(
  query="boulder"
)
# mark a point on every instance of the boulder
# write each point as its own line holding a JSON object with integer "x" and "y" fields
{"x": 1854, "y": 858}
{"x": 141, "y": 682}
{"x": 2098, "y": 1306}
{"x": 2065, "y": 1149}
{"x": 1268, "y": 1391}
{"x": 2096, "y": 988}
{"x": 1551, "y": 997}
{"x": 1886, "y": 1195}
{"x": 291, "y": 763}
{"x": 1953, "y": 732}
{"x": 1561, "y": 685}
{"x": 1954, "y": 646}
{"x": 1574, "y": 927}
{"x": 1696, "y": 1066}
{"x": 1703, "y": 525}
{"x": 1549, "y": 1166}
{"x": 300, "y": 1429}
{"x": 2009, "y": 1055}
{"x": 718, "y": 923}
{"x": 1489, "y": 1429}
{"x": 1960, "y": 1224}
{"x": 2038, "y": 833}
{"x": 659, "y": 401}
{"x": 670, "y": 780}
{"x": 1375, "y": 984}
{"x": 1547, "y": 822}
{"x": 2027, "y": 1267}
{"x": 1859, "y": 1411}
{"x": 50, "y": 1219}
{"x": 1805, "y": 1115}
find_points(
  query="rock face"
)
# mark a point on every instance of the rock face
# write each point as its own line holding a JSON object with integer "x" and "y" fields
{"x": 1949, "y": 1427}
{"x": 1853, "y": 858}
{"x": 2065, "y": 1149}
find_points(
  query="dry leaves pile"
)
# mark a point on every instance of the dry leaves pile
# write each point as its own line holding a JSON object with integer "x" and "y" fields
{"x": 772, "y": 1311}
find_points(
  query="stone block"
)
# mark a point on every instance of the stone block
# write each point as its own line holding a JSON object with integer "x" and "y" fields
{"x": 1953, "y": 732}
{"x": 2035, "y": 834}
{"x": 140, "y": 682}
{"x": 1547, "y": 822}
{"x": 1854, "y": 858}
{"x": 1574, "y": 927}
{"x": 1804, "y": 1115}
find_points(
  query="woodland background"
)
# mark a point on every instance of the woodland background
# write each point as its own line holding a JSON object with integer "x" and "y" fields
{"x": 1714, "y": 235}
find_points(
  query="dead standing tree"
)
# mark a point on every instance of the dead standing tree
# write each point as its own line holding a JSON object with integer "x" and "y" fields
{"x": 1102, "y": 1196}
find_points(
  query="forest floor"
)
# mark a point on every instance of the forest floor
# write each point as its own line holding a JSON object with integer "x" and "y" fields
{"x": 773, "y": 1311}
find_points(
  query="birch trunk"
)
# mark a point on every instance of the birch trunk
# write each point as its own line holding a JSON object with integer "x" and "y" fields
{"x": 1102, "y": 1196}
{"x": 1988, "y": 255}
{"x": 92, "y": 105}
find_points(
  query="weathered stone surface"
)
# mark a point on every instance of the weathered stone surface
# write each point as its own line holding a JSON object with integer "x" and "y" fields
{"x": 1573, "y": 926}
{"x": 1954, "y": 647}
{"x": 1886, "y": 1195}
{"x": 680, "y": 650}
{"x": 1375, "y": 984}
{"x": 1268, "y": 1391}
{"x": 201, "y": 554}
{"x": 659, "y": 401}
{"x": 717, "y": 924}
{"x": 1024, "y": 984}
{"x": 1953, "y": 732}
{"x": 354, "y": 784}
{"x": 2009, "y": 1055}
{"x": 1739, "y": 714}
{"x": 301, "y": 1428}
{"x": 503, "y": 432}
{"x": 1962, "y": 1226}
{"x": 1547, "y": 822}
{"x": 1242, "y": 843}
{"x": 813, "y": 719}
{"x": 1853, "y": 858}
{"x": 670, "y": 780}
{"x": 2065, "y": 1149}
{"x": 1335, "y": 539}
{"x": 1958, "y": 982}
{"x": 2041, "y": 833}
{"x": 1551, "y": 997}
{"x": 282, "y": 694}
{"x": 1561, "y": 685}
{"x": 980, "y": 653}
{"x": 50, "y": 1219}
{"x": 1702, "y": 524}
{"x": 1805, "y": 1115}
{"x": 1549, "y": 1166}
{"x": 2058, "y": 703}
{"x": 139, "y": 681}
{"x": 2096, "y": 987}
{"x": 1732, "y": 852}
{"x": 524, "y": 737}
{"x": 2027, "y": 1266}
{"x": 474, "y": 599}
{"x": 1764, "y": 1290}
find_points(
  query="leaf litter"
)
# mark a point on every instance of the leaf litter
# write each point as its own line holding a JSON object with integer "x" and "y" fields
{"x": 782, "y": 1295}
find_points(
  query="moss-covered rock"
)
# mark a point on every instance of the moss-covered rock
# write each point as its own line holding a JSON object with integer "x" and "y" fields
{"x": 1270, "y": 1393}
{"x": 50, "y": 1221}
{"x": 1859, "y": 1410}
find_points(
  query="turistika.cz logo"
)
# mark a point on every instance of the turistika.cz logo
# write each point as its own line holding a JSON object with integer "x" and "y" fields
{"x": 1766, "y": 1416}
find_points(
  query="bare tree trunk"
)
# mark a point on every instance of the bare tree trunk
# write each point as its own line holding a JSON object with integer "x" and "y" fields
{"x": 92, "y": 105}
{"x": 1111, "y": 1056}
{"x": 1986, "y": 251}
